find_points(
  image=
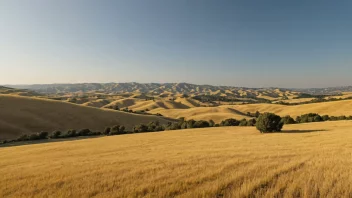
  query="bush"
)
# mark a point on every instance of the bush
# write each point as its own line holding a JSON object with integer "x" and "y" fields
{"x": 140, "y": 128}
{"x": 325, "y": 117}
{"x": 84, "y": 132}
{"x": 288, "y": 120}
{"x": 70, "y": 133}
{"x": 117, "y": 130}
{"x": 107, "y": 131}
{"x": 251, "y": 122}
{"x": 243, "y": 122}
{"x": 211, "y": 123}
{"x": 55, "y": 134}
{"x": 201, "y": 124}
{"x": 310, "y": 117}
{"x": 230, "y": 122}
{"x": 33, "y": 137}
{"x": 23, "y": 137}
{"x": 269, "y": 122}
{"x": 43, "y": 135}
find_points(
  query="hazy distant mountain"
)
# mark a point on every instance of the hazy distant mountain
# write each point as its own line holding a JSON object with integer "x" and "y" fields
{"x": 172, "y": 88}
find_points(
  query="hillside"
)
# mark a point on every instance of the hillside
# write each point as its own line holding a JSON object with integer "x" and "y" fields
{"x": 335, "y": 108}
{"x": 307, "y": 160}
{"x": 27, "y": 115}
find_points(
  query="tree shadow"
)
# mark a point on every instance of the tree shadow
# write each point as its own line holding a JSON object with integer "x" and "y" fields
{"x": 22, "y": 143}
{"x": 302, "y": 131}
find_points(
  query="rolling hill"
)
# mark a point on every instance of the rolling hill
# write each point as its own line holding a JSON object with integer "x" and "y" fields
{"x": 219, "y": 113}
{"x": 20, "y": 115}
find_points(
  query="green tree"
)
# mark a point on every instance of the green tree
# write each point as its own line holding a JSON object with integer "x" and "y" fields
{"x": 269, "y": 122}
{"x": 288, "y": 120}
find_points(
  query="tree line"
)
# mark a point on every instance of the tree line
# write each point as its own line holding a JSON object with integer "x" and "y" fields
{"x": 264, "y": 122}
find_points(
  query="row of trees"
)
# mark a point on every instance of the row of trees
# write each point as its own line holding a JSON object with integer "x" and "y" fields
{"x": 265, "y": 123}
{"x": 313, "y": 117}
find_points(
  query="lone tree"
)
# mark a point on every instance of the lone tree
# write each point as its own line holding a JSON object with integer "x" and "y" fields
{"x": 269, "y": 122}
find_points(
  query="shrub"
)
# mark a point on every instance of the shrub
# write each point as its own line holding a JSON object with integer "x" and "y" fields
{"x": 55, "y": 134}
{"x": 43, "y": 135}
{"x": 33, "y": 137}
{"x": 107, "y": 131}
{"x": 23, "y": 137}
{"x": 269, "y": 122}
{"x": 201, "y": 124}
{"x": 325, "y": 117}
{"x": 211, "y": 123}
{"x": 310, "y": 117}
{"x": 122, "y": 129}
{"x": 230, "y": 122}
{"x": 117, "y": 130}
{"x": 288, "y": 120}
{"x": 140, "y": 128}
{"x": 84, "y": 132}
{"x": 251, "y": 122}
{"x": 70, "y": 133}
{"x": 243, "y": 122}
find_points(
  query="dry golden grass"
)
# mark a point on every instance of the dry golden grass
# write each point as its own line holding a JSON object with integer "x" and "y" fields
{"x": 335, "y": 108}
{"x": 212, "y": 162}
{"x": 20, "y": 115}
{"x": 299, "y": 100}
{"x": 223, "y": 112}
{"x": 202, "y": 113}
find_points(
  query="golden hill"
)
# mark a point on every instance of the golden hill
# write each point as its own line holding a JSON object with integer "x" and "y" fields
{"x": 27, "y": 115}
{"x": 309, "y": 160}
{"x": 335, "y": 108}
{"x": 219, "y": 113}
{"x": 136, "y": 104}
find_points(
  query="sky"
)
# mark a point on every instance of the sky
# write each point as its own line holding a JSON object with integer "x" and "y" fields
{"x": 251, "y": 43}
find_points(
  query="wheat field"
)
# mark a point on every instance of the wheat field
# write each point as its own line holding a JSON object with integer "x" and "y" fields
{"x": 306, "y": 160}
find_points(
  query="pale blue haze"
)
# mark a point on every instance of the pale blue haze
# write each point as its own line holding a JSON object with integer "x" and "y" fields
{"x": 258, "y": 43}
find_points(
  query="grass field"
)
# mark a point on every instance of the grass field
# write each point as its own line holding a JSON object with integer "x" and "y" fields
{"x": 306, "y": 160}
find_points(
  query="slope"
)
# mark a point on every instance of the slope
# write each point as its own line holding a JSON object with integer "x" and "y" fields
{"x": 27, "y": 115}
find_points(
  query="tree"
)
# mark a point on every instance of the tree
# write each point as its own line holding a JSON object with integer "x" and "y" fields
{"x": 288, "y": 120}
{"x": 23, "y": 137}
{"x": 243, "y": 122}
{"x": 230, "y": 122}
{"x": 107, "y": 131}
{"x": 269, "y": 122}
{"x": 201, "y": 124}
{"x": 84, "y": 132}
{"x": 55, "y": 134}
{"x": 211, "y": 123}
{"x": 43, "y": 135}
{"x": 325, "y": 117}
{"x": 140, "y": 128}
{"x": 251, "y": 122}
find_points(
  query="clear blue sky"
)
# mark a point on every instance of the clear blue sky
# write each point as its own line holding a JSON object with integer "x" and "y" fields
{"x": 295, "y": 43}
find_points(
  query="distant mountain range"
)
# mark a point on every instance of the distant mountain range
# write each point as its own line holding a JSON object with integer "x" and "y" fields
{"x": 172, "y": 88}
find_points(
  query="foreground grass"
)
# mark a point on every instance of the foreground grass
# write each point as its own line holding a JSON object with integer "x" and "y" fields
{"x": 309, "y": 160}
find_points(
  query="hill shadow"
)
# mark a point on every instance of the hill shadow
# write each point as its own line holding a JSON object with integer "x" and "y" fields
{"x": 302, "y": 131}
{"x": 23, "y": 143}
